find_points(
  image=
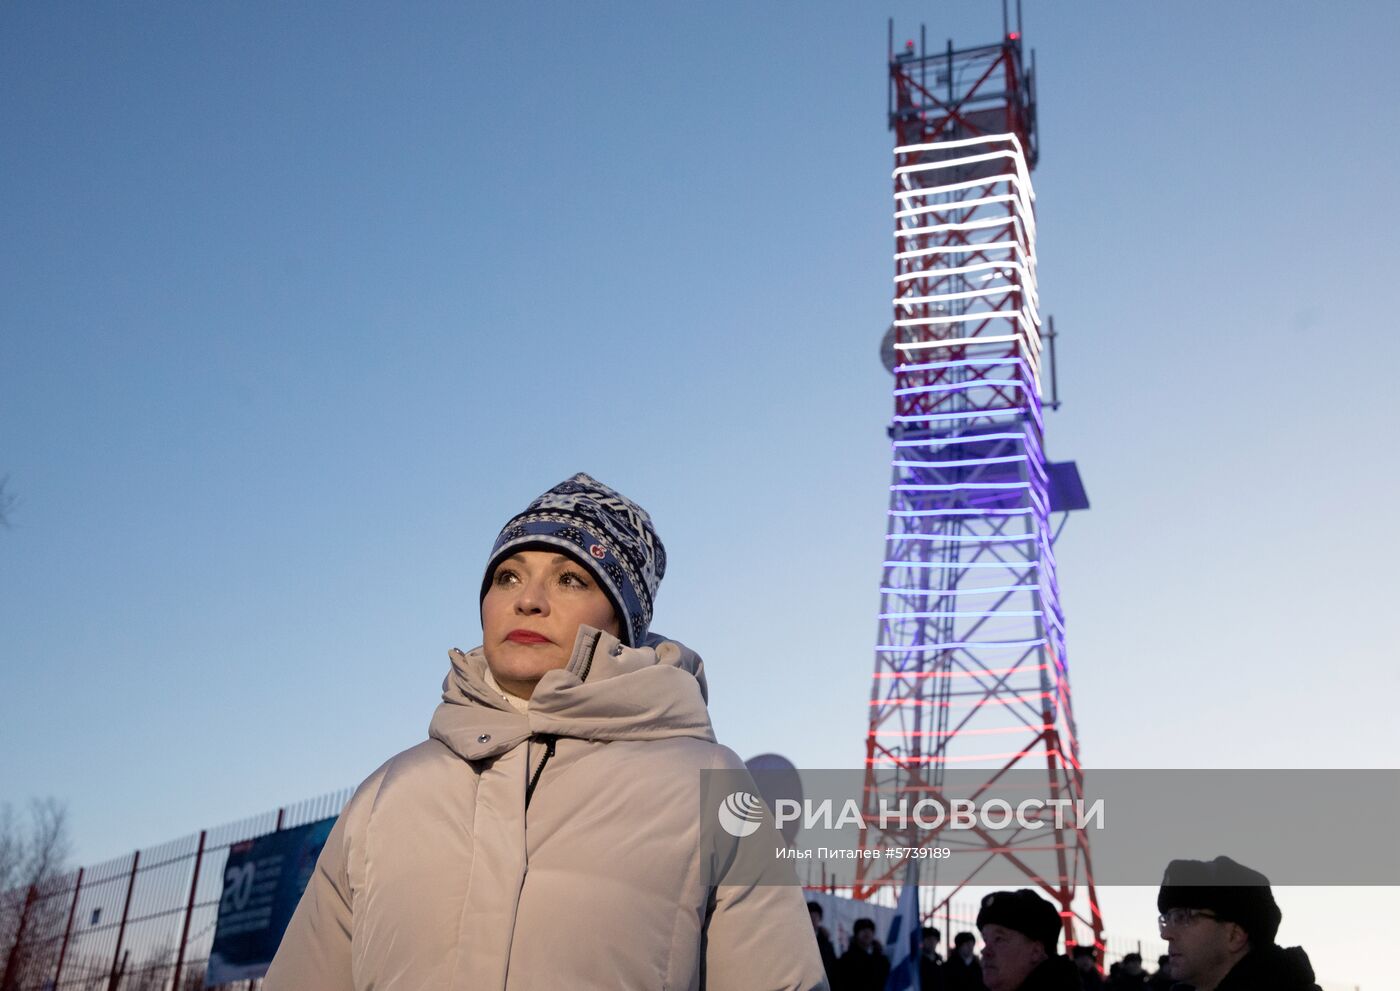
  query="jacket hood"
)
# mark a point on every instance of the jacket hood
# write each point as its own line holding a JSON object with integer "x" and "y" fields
{"x": 607, "y": 691}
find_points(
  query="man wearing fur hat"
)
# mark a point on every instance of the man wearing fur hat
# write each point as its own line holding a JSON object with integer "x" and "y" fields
{"x": 1219, "y": 919}
{"x": 1020, "y": 931}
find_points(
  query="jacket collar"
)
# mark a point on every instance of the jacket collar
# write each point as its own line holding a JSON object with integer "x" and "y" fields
{"x": 607, "y": 691}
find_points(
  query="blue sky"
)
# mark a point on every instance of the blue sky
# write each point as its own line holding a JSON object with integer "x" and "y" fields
{"x": 300, "y": 302}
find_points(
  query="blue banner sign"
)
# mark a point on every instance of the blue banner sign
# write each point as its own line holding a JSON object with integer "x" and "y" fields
{"x": 263, "y": 881}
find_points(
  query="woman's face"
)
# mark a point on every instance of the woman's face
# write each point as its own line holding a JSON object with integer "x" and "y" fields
{"x": 530, "y": 617}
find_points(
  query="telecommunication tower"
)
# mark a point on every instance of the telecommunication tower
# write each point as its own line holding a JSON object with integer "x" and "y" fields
{"x": 970, "y": 664}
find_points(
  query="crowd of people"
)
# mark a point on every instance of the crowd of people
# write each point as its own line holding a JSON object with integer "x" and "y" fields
{"x": 1218, "y": 917}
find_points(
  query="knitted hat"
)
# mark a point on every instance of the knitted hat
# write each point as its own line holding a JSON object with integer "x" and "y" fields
{"x": 1234, "y": 892}
{"x": 1024, "y": 912}
{"x": 606, "y": 532}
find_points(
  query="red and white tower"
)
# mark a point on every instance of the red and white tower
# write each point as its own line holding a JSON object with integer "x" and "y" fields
{"x": 970, "y": 665}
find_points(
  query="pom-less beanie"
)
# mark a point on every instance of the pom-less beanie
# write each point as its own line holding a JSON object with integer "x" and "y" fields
{"x": 603, "y": 530}
{"x": 1232, "y": 891}
{"x": 1024, "y": 912}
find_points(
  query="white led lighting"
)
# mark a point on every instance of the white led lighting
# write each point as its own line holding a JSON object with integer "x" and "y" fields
{"x": 987, "y": 223}
{"x": 940, "y": 273}
{"x": 971, "y": 204}
{"x": 948, "y": 297}
{"x": 952, "y": 342}
{"x": 964, "y": 249}
{"x": 922, "y": 185}
{"x": 981, "y": 139}
{"x": 952, "y": 163}
{"x": 1013, "y": 362}
{"x": 1016, "y": 153}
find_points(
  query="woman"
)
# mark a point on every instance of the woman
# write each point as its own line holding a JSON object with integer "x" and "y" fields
{"x": 547, "y": 834}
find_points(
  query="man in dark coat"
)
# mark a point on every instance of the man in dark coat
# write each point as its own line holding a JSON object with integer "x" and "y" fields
{"x": 1162, "y": 980}
{"x": 828, "y": 952}
{"x": 962, "y": 971}
{"x": 930, "y": 961}
{"x": 1219, "y": 919}
{"x": 1020, "y": 931}
{"x": 864, "y": 966}
{"x": 1128, "y": 975}
{"x": 1086, "y": 962}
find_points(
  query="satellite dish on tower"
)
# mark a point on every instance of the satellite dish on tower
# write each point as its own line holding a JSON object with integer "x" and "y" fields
{"x": 777, "y": 777}
{"x": 889, "y": 357}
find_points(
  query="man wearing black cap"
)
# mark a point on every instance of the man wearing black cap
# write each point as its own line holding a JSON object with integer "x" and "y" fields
{"x": 1086, "y": 962}
{"x": 1219, "y": 919}
{"x": 962, "y": 971}
{"x": 1020, "y": 931}
{"x": 864, "y": 966}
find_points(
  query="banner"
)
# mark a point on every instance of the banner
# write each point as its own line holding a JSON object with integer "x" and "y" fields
{"x": 1004, "y": 829}
{"x": 263, "y": 881}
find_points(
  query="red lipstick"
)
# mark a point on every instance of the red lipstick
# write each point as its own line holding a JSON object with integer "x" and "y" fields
{"x": 527, "y": 636}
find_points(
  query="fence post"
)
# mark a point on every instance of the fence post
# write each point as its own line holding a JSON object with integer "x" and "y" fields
{"x": 115, "y": 975}
{"x": 118, "y": 972}
{"x": 14, "y": 960}
{"x": 281, "y": 817}
{"x": 68, "y": 929}
{"x": 189, "y": 911}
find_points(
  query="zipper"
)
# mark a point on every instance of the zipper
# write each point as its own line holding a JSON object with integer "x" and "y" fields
{"x": 539, "y": 769}
{"x": 548, "y": 739}
{"x": 588, "y": 664}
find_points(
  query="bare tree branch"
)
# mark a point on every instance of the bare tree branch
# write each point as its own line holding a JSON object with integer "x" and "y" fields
{"x": 49, "y": 845}
{"x": 32, "y": 856}
{"x": 11, "y": 849}
{"x": 7, "y": 502}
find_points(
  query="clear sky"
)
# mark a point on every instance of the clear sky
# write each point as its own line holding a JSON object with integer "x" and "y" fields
{"x": 299, "y": 302}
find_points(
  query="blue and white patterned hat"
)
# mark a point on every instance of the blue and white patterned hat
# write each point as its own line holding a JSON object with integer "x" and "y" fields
{"x": 606, "y": 532}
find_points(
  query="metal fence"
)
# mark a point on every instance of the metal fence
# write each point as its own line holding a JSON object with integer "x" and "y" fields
{"x": 143, "y": 922}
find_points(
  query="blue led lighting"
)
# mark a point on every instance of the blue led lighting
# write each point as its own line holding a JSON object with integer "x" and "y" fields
{"x": 941, "y": 538}
{"x": 1009, "y": 459}
{"x": 958, "y": 644}
{"x": 1009, "y": 364}
{"x": 918, "y": 390}
{"x": 954, "y": 593}
{"x": 970, "y": 415}
{"x": 990, "y": 361}
{"x": 958, "y": 565}
{"x": 957, "y": 615}
{"x": 959, "y": 512}
{"x": 955, "y": 486}
{"x": 962, "y": 439}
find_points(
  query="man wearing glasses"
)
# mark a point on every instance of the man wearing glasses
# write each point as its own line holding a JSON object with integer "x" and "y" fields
{"x": 1219, "y": 919}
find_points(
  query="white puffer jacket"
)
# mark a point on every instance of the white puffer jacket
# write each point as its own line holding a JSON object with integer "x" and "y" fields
{"x": 437, "y": 876}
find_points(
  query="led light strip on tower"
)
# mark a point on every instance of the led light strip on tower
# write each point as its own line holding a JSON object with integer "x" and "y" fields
{"x": 1021, "y": 698}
